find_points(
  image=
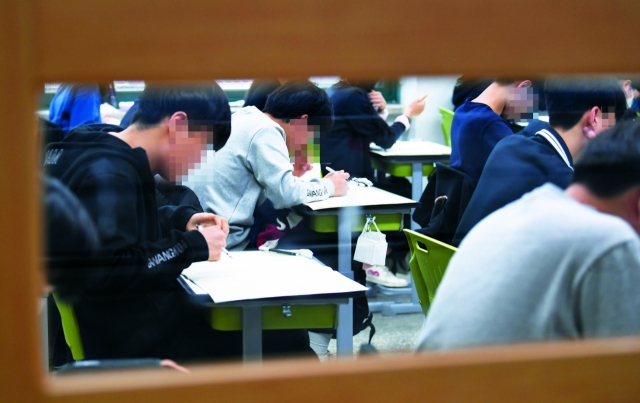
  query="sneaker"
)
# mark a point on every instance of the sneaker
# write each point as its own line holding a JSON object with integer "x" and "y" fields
{"x": 383, "y": 276}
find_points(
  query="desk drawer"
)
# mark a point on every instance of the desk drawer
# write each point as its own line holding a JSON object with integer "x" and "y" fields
{"x": 329, "y": 223}
{"x": 302, "y": 317}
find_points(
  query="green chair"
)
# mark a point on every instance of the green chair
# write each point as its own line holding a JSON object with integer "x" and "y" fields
{"x": 447, "y": 118}
{"x": 70, "y": 328}
{"x": 429, "y": 259}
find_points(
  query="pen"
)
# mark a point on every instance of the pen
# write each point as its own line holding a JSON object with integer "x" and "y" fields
{"x": 424, "y": 97}
{"x": 224, "y": 250}
{"x": 331, "y": 170}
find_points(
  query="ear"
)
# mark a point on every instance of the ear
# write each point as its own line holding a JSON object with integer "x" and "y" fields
{"x": 305, "y": 116}
{"x": 593, "y": 116}
{"x": 178, "y": 116}
{"x": 525, "y": 84}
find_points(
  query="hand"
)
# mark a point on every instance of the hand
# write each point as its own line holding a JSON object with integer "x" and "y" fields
{"x": 414, "y": 108}
{"x": 301, "y": 169}
{"x": 173, "y": 365}
{"x": 216, "y": 240}
{"x": 207, "y": 220}
{"x": 377, "y": 100}
{"x": 339, "y": 179}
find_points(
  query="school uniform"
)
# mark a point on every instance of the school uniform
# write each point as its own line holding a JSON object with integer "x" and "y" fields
{"x": 517, "y": 165}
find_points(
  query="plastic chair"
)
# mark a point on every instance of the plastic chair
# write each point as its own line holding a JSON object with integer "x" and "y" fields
{"x": 429, "y": 260}
{"x": 447, "y": 118}
{"x": 70, "y": 328}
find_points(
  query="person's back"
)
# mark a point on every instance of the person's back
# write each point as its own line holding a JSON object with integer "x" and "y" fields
{"x": 357, "y": 124}
{"x": 519, "y": 164}
{"x": 522, "y": 275}
{"x": 74, "y": 105}
{"x": 554, "y": 264}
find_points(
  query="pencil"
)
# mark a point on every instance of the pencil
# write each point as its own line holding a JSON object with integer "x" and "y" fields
{"x": 424, "y": 97}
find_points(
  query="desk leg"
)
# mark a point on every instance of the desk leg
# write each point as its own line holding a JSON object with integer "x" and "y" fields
{"x": 344, "y": 333}
{"x": 252, "y": 333}
{"x": 44, "y": 324}
{"x": 416, "y": 187}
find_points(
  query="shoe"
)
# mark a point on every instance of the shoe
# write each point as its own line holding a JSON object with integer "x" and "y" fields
{"x": 404, "y": 276}
{"x": 383, "y": 276}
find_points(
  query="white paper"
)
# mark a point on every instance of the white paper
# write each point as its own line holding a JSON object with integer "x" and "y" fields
{"x": 257, "y": 274}
{"x": 360, "y": 196}
{"x": 411, "y": 149}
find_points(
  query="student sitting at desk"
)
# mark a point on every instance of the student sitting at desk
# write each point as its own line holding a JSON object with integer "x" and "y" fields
{"x": 360, "y": 114}
{"x": 480, "y": 123}
{"x": 579, "y": 109}
{"x": 138, "y": 309}
{"x": 554, "y": 264}
{"x": 256, "y": 164}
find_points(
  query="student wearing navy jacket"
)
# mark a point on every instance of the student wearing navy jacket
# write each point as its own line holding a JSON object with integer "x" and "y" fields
{"x": 360, "y": 114}
{"x": 579, "y": 109}
{"x": 480, "y": 123}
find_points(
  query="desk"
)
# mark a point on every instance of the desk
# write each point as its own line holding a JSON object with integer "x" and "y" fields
{"x": 282, "y": 286}
{"x": 358, "y": 202}
{"x": 410, "y": 158}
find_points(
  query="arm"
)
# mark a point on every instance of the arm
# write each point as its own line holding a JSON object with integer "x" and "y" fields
{"x": 85, "y": 108}
{"x": 268, "y": 159}
{"x": 608, "y": 294}
{"x": 127, "y": 263}
{"x": 494, "y": 132}
{"x": 364, "y": 121}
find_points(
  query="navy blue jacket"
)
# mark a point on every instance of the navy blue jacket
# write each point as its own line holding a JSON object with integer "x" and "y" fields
{"x": 475, "y": 131}
{"x": 356, "y": 125}
{"x": 517, "y": 165}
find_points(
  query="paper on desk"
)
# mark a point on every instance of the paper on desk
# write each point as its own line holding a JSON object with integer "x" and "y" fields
{"x": 411, "y": 148}
{"x": 359, "y": 196}
{"x": 255, "y": 275}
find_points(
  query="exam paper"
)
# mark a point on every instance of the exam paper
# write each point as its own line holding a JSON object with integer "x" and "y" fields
{"x": 257, "y": 274}
{"x": 360, "y": 196}
{"x": 411, "y": 148}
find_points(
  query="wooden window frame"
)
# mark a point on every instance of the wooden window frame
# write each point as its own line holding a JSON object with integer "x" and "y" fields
{"x": 161, "y": 40}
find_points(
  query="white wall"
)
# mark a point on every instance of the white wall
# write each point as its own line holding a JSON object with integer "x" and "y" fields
{"x": 440, "y": 88}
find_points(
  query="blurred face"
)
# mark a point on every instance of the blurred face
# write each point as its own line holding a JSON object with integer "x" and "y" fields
{"x": 302, "y": 141}
{"x": 598, "y": 121}
{"x": 187, "y": 147}
{"x": 521, "y": 102}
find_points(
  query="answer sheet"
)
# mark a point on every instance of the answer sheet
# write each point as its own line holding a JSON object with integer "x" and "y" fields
{"x": 258, "y": 274}
{"x": 360, "y": 196}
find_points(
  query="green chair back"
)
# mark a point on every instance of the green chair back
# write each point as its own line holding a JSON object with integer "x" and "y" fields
{"x": 70, "y": 328}
{"x": 447, "y": 118}
{"x": 429, "y": 260}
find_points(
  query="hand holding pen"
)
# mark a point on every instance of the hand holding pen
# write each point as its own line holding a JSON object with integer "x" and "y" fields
{"x": 216, "y": 241}
{"x": 339, "y": 179}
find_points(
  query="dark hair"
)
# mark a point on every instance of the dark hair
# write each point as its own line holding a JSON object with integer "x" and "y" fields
{"x": 569, "y": 98}
{"x": 610, "y": 163}
{"x": 296, "y": 98}
{"x": 205, "y": 105}
{"x": 259, "y": 91}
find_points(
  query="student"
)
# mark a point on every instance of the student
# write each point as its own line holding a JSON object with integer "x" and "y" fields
{"x": 256, "y": 164}
{"x": 138, "y": 309}
{"x": 74, "y": 105}
{"x": 480, "y": 123}
{"x": 553, "y": 265}
{"x": 360, "y": 114}
{"x": 259, "y": 91}
{"x": 579, "y": 109}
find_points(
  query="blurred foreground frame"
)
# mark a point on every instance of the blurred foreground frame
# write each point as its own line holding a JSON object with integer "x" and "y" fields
{"x": 72, "y": 40}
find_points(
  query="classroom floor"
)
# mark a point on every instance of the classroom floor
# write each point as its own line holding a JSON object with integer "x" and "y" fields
{"x": 394, "y": 334}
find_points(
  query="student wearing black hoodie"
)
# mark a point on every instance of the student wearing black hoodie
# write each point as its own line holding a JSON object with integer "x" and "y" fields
{"x": 138, "y": 309}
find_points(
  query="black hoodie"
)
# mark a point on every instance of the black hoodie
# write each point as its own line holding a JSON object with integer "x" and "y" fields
{"x": 137, "y": 306}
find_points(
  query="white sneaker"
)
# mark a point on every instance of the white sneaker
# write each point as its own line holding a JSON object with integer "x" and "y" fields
{"x": 383, "y": 276}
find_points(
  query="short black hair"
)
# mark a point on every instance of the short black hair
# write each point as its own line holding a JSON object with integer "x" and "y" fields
{"x": 296, "y": 98}
{"x": 568, "y": 99}
{"x": 609, "y": 164}
{"x": 205, "y": 105}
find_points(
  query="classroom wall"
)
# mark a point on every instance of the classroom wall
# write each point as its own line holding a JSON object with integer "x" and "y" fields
{"x": 440, "y": 88}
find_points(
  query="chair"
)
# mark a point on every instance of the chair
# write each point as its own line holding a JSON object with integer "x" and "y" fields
{"x": 447, "y": 118}
{"x": 429, "y": 259}
{"x": 70, "y": 328}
